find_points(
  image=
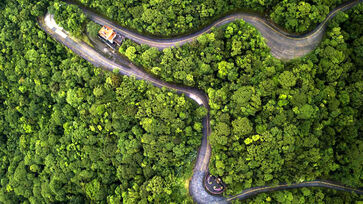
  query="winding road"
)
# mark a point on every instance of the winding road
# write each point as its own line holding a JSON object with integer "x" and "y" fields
{"x": 283, "y": 46}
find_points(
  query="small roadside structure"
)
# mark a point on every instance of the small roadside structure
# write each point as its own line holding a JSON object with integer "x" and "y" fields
{"x": 108, "y": 35}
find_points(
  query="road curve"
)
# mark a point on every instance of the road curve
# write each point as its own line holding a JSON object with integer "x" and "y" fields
{"x": 283, "y": 45}
{"x": 125, "y": 67}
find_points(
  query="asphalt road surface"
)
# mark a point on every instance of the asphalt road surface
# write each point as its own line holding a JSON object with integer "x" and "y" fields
{"x": 283, "y": 46}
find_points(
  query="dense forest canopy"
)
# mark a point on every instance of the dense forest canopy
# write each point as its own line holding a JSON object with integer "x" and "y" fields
{"x": 73, "y": 133}
{"x": 164, "y": 17}
{"x": 272, "y": 121}
{"x": 70, "y": 17}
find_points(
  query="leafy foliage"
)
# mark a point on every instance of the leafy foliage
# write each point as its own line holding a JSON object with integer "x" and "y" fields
{"x": 163, "y": 17}
{"x": 93, "y": 28}
{"x": 72, "y": 133}
{"x": 69, "y": 16}
{"x": 275, "y": 122}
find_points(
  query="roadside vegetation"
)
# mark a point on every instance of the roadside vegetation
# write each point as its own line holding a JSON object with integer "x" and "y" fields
{"x": 272, "y": 121}
{"x": 70, "y": 17}
{"x": 164, "y": 17}
{"x": 73, "y": 133}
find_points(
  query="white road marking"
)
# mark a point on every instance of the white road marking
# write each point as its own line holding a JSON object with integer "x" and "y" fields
{"x": 50, "y": 22}
{"x": 61, "y": 33}
{"x": 196, "y": 99}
